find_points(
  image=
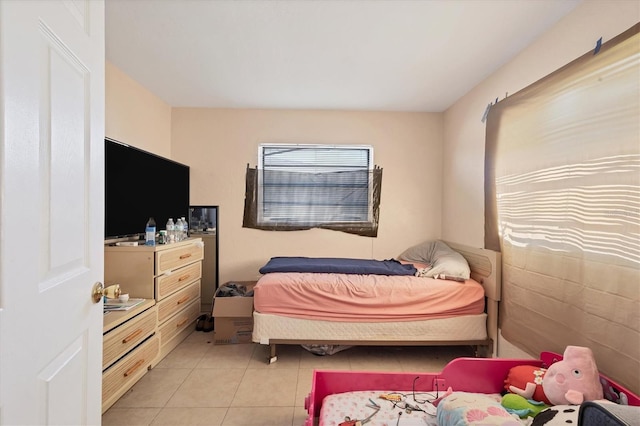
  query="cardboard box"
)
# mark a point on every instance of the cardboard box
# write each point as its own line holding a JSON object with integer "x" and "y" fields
{"x": 233, "y": 316}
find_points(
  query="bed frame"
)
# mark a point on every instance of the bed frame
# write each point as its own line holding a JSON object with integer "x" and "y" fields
{"x": 461, "y": 374}
{"x": 485, "y": 269}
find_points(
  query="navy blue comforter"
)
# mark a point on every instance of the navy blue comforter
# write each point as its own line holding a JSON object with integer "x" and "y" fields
{"x": 337, "y": 265}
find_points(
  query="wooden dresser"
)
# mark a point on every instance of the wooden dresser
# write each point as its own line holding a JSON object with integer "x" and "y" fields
{"x": 130, "y": 347}
{"x": 169, "y": 275}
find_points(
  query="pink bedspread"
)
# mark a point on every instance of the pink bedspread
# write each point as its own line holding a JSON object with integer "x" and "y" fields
{"x": 363, "y": 298}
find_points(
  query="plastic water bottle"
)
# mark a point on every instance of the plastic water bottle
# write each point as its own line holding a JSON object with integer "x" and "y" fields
{"x": 150, "y": 232}
{"x": 179, "y": 229}
{"x": 171, "y": 230}
{"x": 185, "y": 228}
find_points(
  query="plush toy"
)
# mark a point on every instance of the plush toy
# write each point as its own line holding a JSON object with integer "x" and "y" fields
{"x": 573, "y": 380}
{"x": 526, "y": 397}
{"x": 522, "y": 407}
{"x": 526, "y": 381}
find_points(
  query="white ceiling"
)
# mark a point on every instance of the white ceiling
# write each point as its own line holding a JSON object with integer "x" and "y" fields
{"x": 384, "y": 55}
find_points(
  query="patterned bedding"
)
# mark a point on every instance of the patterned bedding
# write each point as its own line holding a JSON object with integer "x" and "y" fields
{"x": 456, "y": 409}
{"x": 389, "y": 408}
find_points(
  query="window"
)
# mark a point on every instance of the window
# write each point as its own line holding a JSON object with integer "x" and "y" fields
{"x": 305, "y": 186}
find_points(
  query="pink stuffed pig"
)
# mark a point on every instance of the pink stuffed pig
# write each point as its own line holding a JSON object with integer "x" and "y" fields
{"x": 573, "y": 380}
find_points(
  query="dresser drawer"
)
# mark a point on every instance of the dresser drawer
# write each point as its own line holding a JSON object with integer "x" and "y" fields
{"x": 168, "y": 284}
{"x": 117, "y": 379}
{"x": 177, "y": 257}
{"x": 177, "y": 301}
{"x": 174, "y": 325}
{"x": 122, "y": 339}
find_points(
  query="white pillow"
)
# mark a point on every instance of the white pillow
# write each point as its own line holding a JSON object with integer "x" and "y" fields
{"x": 442, "y": 258}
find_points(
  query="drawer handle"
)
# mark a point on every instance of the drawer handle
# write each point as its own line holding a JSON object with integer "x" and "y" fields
{"x": 134, "y": 368}
{"x": 184, "y": 277}
{"x": 184, "y": 299}
{"x": 185, "y": 256}
{"x": 132, "y": 336}
{"x": 183, "y": 322}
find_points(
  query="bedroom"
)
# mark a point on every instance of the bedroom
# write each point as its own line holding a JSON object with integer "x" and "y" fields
{"x": 450, "y": 142}
{"x": 446, "y": 150}
{"x": 450, "y": 209}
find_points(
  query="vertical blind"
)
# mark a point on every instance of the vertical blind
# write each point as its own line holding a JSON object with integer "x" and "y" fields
{"x": 563, "y": 206}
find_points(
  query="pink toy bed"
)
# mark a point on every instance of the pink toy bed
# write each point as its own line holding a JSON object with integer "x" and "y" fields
{"x": 476, "y": 383}
{"x": 360, "y": 309}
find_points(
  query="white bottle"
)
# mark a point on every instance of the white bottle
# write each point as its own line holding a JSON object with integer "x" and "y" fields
{"x": 171, "y": 230}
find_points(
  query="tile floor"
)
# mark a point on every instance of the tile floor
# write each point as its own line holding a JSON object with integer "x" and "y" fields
{"x": 200, "y": 383}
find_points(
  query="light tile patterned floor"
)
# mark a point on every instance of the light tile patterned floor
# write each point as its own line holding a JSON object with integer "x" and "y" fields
{"x": 200, "y": 383}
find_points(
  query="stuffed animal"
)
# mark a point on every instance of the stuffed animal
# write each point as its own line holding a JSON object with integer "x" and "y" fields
{"x": 526, "y": 397}
{"x": 573, "y": 380}
{"x": 522, "y": 407}
{"x": 526, "y": 381}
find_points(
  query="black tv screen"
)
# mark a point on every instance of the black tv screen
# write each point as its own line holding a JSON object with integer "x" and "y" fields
{"x": 139, "y": 185}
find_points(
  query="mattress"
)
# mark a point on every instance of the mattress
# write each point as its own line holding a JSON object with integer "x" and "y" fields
{"x": 268, "y": 327}
{"x": 359, "y": 405}
{"x": 365, "y": 298}
{"x": 393, "y": 407}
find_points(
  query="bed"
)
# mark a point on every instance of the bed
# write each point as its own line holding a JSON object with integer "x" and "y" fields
{"x": 476, "y": 384}
{"x": 476, "y": 325}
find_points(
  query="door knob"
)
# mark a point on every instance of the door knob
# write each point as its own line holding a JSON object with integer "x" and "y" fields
{"x": 99, "y": 291}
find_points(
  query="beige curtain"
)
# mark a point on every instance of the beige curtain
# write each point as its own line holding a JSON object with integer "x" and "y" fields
{"x": 563, "y": 206}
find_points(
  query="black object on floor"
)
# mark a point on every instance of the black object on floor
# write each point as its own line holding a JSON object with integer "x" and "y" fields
{"x": 208, "y": 324}
{"x": 200, "y": 322}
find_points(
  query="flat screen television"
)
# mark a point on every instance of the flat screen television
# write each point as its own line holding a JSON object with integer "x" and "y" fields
{"x": 140, "y": 185}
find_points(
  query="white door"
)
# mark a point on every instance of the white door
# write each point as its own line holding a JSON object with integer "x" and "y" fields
{"x": 51, "y": 210}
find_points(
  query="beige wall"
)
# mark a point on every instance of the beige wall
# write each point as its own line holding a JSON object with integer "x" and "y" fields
{"x": 218, "y": 144}
{"x": 464, "y": 133}
{"x": 134, "y": 115}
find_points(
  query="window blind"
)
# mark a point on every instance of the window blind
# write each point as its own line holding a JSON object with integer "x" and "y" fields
{"x": 309, "y": 185}
{"x": 563, "y": 206}
{"x": 305, "y": 186}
